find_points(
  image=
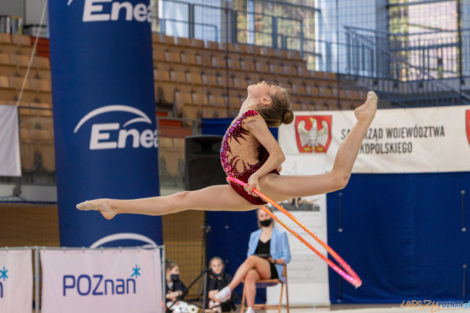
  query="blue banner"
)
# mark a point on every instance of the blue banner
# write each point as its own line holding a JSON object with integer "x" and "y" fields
{"x": 104, "y": 115}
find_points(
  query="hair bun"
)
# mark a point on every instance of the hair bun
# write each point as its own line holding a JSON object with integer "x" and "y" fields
{"x": 287, "y": 117}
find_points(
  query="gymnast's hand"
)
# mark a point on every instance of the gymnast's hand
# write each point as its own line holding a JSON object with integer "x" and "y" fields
{"x": 252, "y": 183}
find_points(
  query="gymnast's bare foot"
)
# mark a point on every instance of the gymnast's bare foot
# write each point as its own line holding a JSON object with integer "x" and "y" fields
{"x": 102, "y": 205}
{"x": 367, "y": 111}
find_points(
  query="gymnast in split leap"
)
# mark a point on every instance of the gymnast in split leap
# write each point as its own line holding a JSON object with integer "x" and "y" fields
{"x": 250, "y": 153}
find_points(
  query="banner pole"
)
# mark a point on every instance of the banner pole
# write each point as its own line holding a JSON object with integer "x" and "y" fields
{"x": 163, "y": 277}
{"x": 36, "y": 277}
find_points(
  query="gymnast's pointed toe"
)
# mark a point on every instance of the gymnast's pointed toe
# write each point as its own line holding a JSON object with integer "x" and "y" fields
{"x": 86, "y": 206}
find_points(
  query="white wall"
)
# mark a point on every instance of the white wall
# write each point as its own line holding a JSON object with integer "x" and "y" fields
{"x": 12, "y": 7}
{"x": 368, "y": 14}
{"x": 29, "y": 10}
{"x": 33, "y": 11}
{"x": 40, "y": 193}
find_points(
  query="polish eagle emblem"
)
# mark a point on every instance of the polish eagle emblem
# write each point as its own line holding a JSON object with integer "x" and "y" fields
{"x": 313, "y": 133}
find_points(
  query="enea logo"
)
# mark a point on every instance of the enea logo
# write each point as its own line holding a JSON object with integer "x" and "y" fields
{"x": 99, "y": 285}
{"x": 3, "y": 278}
{"x": 313, "y": 133}
{"x": 109, "y": 10}
{"x": 467, "y": 125}
{"x": 112, "y": 136}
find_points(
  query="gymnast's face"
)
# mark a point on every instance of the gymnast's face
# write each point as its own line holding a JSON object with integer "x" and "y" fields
{"x": 262, "y": 92}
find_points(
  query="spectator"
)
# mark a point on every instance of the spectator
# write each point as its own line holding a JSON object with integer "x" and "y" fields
{"x": 268, "y": 252}
{"x": 218, "y": 279}
{"x": 175, "y": 289}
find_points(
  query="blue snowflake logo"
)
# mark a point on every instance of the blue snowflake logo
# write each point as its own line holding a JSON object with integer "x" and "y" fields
{"x": 3, "y": 274}
{"x": 135, "y": 271}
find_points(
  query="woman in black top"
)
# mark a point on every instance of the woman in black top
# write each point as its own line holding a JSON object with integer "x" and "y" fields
{"x": 263, "y": 250}
{"x": 268, "y": 252}
{"x": 174, "y": 287}
{"x": 218, "y": 279}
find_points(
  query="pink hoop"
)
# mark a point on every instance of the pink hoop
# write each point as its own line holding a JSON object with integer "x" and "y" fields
{"x": 346, "y": 271}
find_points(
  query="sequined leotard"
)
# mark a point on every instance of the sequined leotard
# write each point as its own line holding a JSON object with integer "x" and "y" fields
{"x": 241, "y": 154}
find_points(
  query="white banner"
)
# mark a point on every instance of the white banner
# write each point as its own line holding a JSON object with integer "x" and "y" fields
{"x": 109, "y": 280}
{"x": 16, "y": 281}
{"x": 307, "y": 273}
{"x": 398, "y": 141}
{"x": 10, "y": 162}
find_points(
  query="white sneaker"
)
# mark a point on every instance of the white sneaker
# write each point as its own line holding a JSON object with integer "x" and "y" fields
{"x": 250, "y": 310}
{"x": 223, "y": 295}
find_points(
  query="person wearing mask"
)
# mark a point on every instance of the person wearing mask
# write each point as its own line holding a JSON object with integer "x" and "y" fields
{"x": 175, "y": 289}
{"x": 268, "y": 252}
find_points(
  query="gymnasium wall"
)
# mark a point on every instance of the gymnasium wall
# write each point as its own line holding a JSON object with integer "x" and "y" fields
{"x": 28, "y": 225}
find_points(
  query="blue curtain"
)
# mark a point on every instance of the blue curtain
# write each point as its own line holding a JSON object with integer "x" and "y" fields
{"x": 402, "y": 233}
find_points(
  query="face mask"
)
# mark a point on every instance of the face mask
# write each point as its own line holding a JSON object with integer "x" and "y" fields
{"x": 266, "y": 223}
{"x": 175, "y": 277}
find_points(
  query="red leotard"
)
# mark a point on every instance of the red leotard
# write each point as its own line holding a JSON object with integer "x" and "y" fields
{"x": 241, "y": 154}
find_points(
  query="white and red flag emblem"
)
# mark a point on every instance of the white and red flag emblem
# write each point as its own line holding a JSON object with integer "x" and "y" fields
{"x": 313, "y": 133}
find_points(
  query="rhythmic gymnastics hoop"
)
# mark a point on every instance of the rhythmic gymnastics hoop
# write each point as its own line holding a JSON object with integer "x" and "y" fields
{"x": 346, "y": 271}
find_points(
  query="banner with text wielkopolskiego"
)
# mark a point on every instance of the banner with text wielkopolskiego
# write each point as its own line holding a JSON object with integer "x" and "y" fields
{"x": 104, "y": 114}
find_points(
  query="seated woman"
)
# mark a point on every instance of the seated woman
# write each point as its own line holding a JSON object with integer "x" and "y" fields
{"x": 268, "y": 252}
{"x": 175, "y": 289}
{"x": 218, "y": 279}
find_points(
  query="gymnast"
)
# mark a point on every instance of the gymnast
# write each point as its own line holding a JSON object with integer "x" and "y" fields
{"x": 250, "y": 153}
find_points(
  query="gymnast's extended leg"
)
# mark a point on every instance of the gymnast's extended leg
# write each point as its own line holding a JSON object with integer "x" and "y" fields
{"x": 214, "y": 198}
{"x": 284, "y": 187}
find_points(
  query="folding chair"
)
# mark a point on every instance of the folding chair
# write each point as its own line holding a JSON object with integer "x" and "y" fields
{"x": 270, "y": 283}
